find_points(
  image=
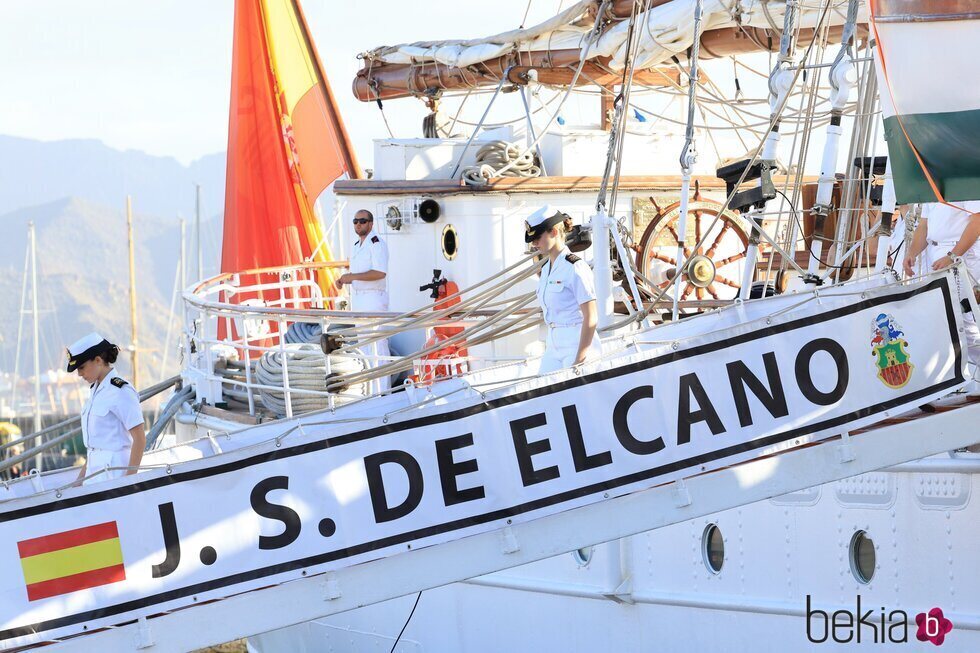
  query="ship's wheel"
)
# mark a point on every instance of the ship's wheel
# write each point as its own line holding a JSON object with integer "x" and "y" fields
{"x": 713, "y": 271}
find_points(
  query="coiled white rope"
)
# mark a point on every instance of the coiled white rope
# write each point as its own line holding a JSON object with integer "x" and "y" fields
{"x": 307, "y": 371}
{"x": 508, "y": 158}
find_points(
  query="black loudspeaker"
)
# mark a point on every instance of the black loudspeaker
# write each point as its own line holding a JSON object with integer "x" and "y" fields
{"x": 429, "y": 210}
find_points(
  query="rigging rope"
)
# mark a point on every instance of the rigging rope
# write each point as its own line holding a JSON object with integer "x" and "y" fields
{"x": 501, "y": 155}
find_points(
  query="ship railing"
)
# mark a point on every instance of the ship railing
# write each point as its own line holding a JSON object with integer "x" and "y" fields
{"x": 275, "y": 337}
{"x": 13, "y": 453}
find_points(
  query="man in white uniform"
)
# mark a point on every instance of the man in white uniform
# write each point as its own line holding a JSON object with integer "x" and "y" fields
{"x": 368, "y": 278}
{"x": 943, "y": 235}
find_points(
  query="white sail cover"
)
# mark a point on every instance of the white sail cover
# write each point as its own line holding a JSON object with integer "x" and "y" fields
{"x": 665, "y": 31}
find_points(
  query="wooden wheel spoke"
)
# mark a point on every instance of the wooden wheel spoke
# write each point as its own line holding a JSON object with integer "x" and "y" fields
{"x": 663, "y": 258}
{"x": 688, "y": 287}
{"x": 725, "y": 226}
{"x": 677, "y": 239}
{"x": 731, "y": 259}
{"x": 726, "y": 281}
{"x": 663, "y": 284}
{"x": 699, "y": 292}
{"x": 711, "y": 291}
{"x": 697, "y": 228}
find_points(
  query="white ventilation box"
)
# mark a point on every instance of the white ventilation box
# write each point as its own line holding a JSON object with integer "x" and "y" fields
{"x": 581, "y": 152}
{"x": 417, "y": 159}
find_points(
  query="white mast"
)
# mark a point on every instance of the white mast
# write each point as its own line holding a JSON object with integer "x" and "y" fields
{"x": 20, "y": 328}
{"x": 183, "y": 252}
{"x": 132, "y": 290}
{"x": 38, "y": 460}
{"x": 197, "y": 231}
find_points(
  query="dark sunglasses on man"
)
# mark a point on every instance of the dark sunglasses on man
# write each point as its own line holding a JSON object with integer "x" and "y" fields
{"x": 363, "y": 220}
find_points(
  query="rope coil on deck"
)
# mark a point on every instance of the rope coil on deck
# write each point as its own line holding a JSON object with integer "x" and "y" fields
{"x": 501, "y": 155}
{"x": 307, "y": 371}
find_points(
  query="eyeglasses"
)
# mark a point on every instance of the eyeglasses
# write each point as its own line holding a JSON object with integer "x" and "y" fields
{"x": 362, "y": 220}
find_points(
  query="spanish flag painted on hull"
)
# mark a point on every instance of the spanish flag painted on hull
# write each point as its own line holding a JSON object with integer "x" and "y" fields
{"x": 286, "y": 141}
{"x": 71, "y": 561}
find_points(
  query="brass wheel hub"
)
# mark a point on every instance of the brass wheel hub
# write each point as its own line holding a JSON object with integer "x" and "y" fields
{"x": 700, "y": 271}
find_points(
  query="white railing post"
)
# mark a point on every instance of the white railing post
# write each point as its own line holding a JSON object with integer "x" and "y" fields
{"x": 285, "y": 370}
{"x": 248, "y": 375}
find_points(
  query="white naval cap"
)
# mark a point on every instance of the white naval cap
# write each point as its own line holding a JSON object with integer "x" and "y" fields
{"x": 85, "y": 349}
{"x": 541, "y": 221}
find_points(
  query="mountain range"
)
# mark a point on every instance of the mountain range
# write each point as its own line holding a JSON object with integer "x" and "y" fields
{"x": 74, "y": 192}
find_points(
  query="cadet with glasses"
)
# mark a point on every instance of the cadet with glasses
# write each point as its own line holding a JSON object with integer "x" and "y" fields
{"x": 368, "y": 276}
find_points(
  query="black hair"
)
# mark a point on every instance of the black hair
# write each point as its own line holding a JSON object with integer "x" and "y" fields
{"x": 109, "y": 354}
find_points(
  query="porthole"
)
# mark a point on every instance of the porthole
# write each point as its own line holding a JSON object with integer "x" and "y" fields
{"x": 862, "y": 556}
{"x": 450, "y": 242}
{"x": 713, "y": 548}
{"x": 583, "y": 556}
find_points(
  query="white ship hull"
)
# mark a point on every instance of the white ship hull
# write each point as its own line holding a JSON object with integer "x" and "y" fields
{"x": 654, "y": 591}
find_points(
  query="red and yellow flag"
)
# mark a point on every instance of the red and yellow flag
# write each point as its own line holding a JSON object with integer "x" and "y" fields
{"x": 72, "y": 560}
{"x": 286, "y": 141}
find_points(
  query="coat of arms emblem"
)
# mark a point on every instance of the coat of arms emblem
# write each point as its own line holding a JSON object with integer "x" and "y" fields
{"x": 888, "y": 348}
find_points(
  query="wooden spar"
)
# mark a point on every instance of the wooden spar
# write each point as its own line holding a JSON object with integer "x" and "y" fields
{"x": 596, "y": 74}
{"x": 390, "y": 81}
{"x": 607, "y": 106}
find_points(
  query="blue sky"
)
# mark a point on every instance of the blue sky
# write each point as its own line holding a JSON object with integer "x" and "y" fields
{"x": 153, "y": 75}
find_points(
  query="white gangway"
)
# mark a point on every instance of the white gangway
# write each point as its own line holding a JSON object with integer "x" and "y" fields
{"x": 328, "y": 512}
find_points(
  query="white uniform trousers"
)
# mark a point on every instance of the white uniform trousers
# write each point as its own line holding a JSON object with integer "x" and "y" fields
{"x": 373, "y": 302}
{"x": 562, "y": 347}
{"x": 97, "y": 460}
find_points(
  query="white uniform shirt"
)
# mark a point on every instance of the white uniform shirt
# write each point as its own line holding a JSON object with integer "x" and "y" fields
{"x": 563, "y": 288}
{"x": 108, "y": 415}
{"x": 946, "y": 224}
{"x": 372, "y": 254}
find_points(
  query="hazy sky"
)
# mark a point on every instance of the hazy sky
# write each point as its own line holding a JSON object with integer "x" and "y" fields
{"x": 154, "y": 75}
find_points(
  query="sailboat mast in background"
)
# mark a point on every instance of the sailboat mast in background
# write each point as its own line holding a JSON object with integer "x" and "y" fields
{"x": 132, "y": 292}
{"x": 37, "y": 341}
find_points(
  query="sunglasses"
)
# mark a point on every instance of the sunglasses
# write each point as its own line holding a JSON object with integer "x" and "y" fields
{"x": 362, "y": 220}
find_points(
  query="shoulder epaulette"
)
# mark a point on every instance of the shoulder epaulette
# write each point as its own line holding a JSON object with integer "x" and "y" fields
{"x": 375, "y": 239}
{"x": 571, "y": 258}
{"x": 356, "y": 243}
{"x": 116, "y": 381}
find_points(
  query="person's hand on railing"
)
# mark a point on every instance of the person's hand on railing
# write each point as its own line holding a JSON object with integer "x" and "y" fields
{"x": 908, "y": 266}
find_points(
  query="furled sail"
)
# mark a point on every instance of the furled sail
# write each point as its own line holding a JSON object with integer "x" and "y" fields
{"x": 286, "y": 141}
{"x": 926, "y": 57}
{"x": 557, "y": 45}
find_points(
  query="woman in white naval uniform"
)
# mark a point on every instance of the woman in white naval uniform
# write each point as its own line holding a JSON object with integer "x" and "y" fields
{"x": 112, "y": 422}
{"x": 943, "y": 235}
{"x": 566, "y": 292}
{"x": 368, "y": 278}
